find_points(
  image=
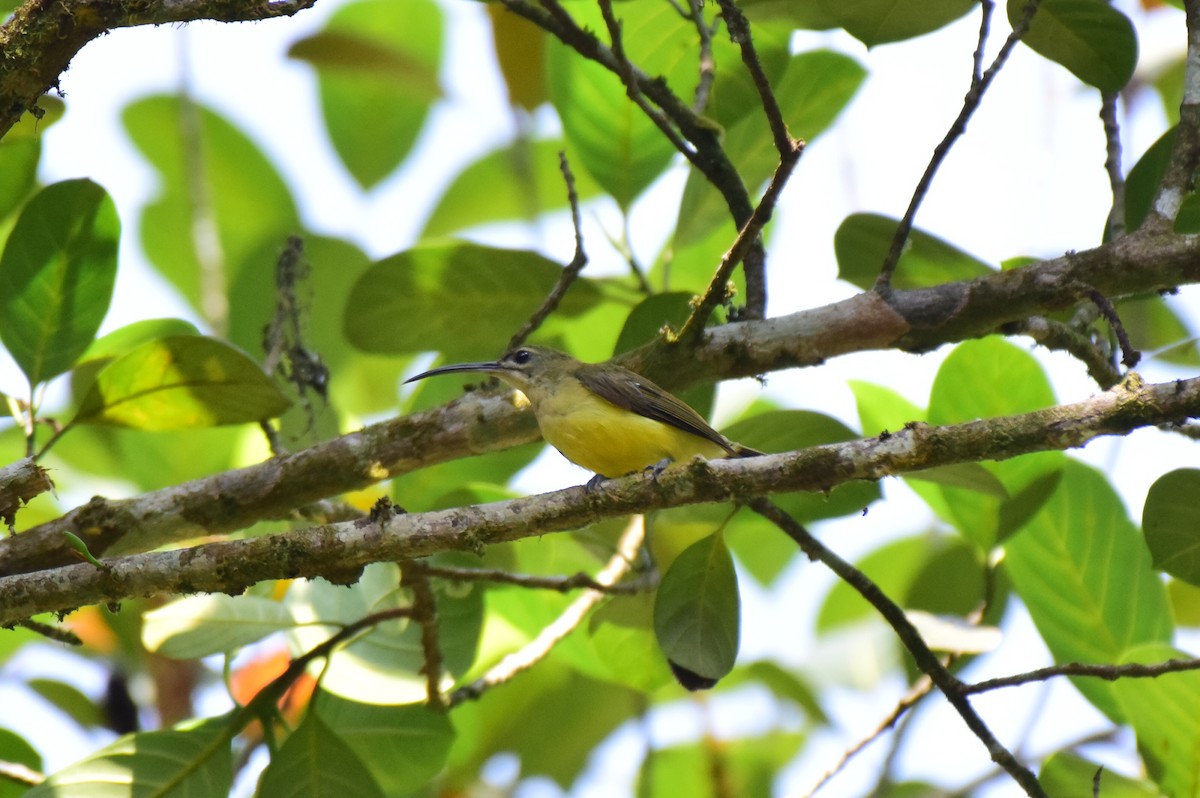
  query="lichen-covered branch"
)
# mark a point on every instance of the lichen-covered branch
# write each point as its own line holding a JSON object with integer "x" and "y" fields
{"x": 916, "y": 320}
{"x": 40, "y": 39}
{"x": 339, "y": 550}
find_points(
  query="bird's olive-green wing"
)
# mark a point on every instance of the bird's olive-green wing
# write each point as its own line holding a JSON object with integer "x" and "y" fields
{"x": 639, "y": 395}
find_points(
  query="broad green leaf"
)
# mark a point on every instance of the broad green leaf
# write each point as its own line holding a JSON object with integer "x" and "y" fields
{"x": 179, "y": 382}
{"x": 14, "y": 748}
{"x": 697, "y": 610}
{"x": 572, "y": 710}
{"x": 1157, "y": 330}
{"x": 987, "y": 378}
{"x": 118, "y": 342}
{"x": 813, "y": 90}
{"x": 56, "y": 276}
{"x": 862, "y": 241}
{"x": 971, "y": 476}
{"x": 1171, "y": 521}
{"x": 385, "y": 665}
{"x": 1143, "y": 179}
{"x": 377, "y": 67}
{"x": 750, "y": 765}
{"x": 1165, "y": 714}
{"x": 517, "y": 182}
{"x": 403, "y": 747}
{"x": 1169, "y": 83}
{"x": 1185, "y": 602}
{"x": 20, "y": 152}
{"x": 622, "y": 633}
{"x": 421, "y": 300}
{"x": 937, "y": 574}
{"x": 1068, "y": 774}
{"x": 193, "y": 762}
{"x": 786, "y": 430}
{"x": 70, "y": 700}
{"x": 759, "y": 546}
{"x": 520, "y": 47}
{"x": 313, "y": 761}
{"x": 1085, "y": 575}
{"x": 617, "y": 144}
{"x": 809, "y": 16}
{"x": 881, "y": 21}
{"x": 881, "y": 409}
{"x": 1095, "y": 41}
{"x": 245, "y": 200}
{"x": 196, "y": 626}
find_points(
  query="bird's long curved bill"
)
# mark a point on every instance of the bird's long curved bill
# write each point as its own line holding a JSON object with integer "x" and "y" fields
{"x": 490, "y": 367}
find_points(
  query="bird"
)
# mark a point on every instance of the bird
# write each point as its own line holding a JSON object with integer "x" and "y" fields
{"x": 601, "y": 416}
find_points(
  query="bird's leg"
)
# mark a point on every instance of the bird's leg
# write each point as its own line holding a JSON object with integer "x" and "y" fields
{"x": 659, "y": 467}
{"x": 594, "y": 482}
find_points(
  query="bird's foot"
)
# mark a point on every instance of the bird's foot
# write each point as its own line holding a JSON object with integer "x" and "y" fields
{"x": 594, "y": 482}
{"x": 659, "y": 467}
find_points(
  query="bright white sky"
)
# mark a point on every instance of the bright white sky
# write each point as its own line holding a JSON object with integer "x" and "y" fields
{"x": 1027, "y": 179}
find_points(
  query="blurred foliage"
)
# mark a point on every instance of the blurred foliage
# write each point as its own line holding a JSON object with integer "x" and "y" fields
{"x": 160, "y": 401}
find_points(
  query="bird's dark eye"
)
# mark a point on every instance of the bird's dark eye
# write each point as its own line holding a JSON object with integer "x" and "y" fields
{"x": 521, "y": 357}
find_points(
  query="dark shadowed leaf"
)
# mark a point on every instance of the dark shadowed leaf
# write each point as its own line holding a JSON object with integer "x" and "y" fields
{"x": 881, "y": 21}
{"x": 1095, "y": 41}
{"x": 316, "y": 761}
{"x": 1171, "y": 520}
{"x": 697, "y": 612}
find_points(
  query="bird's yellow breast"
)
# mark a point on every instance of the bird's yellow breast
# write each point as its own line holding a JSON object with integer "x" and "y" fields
{"x": 596, "y": 434}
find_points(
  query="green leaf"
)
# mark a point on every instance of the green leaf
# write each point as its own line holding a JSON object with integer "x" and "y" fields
{"x": 56, "y": 276}
{"x": 1172, "y": 524}
{"x": 196, "y": 626}
{"x": 246, "y": 202}
{"x": 862, "y": 241}
{"x": 519, "y": 181}
{"x": 418, "y": 300}
{"x": 1158, "y": 330}
{"x": 1095, "y": 41}
{"x": 622, "y": 633}
{"x": 697, "y": 610}
{"x": 180, "y": 382}
{"x": 970, "y": 476}
{"x": 70, "y": 700}
{"x": 1185, "y": 602}
{"x": 1068, "y": 774}
{"x": 377, "y": 68}
{"x": 617, "y": 144}
{"x": 1142, "y": 182}
{"x": 987, "y": 378}
{"x": 875, "y": 22}
{"x": 814, "y": 89}
{"x": 908, "y": 570}
{"x": 14, "y": 748}
{"x": 118, "y": 342}
{"x": 316, "y": 761}
{"x": 576, "y": 712}
{"x": 192, "y": 762}
{"x": 1085, "y": 575}
{"x": 402, "y": 746}
{"x": 881, "y": 409}
{"x": 386, "y": 665}
{"x": 786, "y": 430}
{"x": 1165, "y": 714}
{"x": 750, "y": 767}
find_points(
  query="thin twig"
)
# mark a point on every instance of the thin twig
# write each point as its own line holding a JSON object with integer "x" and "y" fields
{"x": 1057, "y": 336}
{"x": 1129, "y": 356}
{"x": 1111, "y": 673}
{"x": 707, "y": 64}
{"x": 1112, "y": 163}
{"x": 537, "y": 649}
{"x": 747, "y": 239}
{"x": 971, "y": 102}
{"x": 414, "y": 576}
{"x": 739, "y": 34}
{"x": 569, "y": 273}
{"x": 926, "y": 660}
{"x": 919, "y": 690}
{"x": 986, "y": 8}
{"x": 561, "y": 584}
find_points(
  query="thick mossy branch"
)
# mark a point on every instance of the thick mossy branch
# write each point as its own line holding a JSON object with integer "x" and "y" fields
{"x": 39, "y": 41}
{"x": 338, "y": 550}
